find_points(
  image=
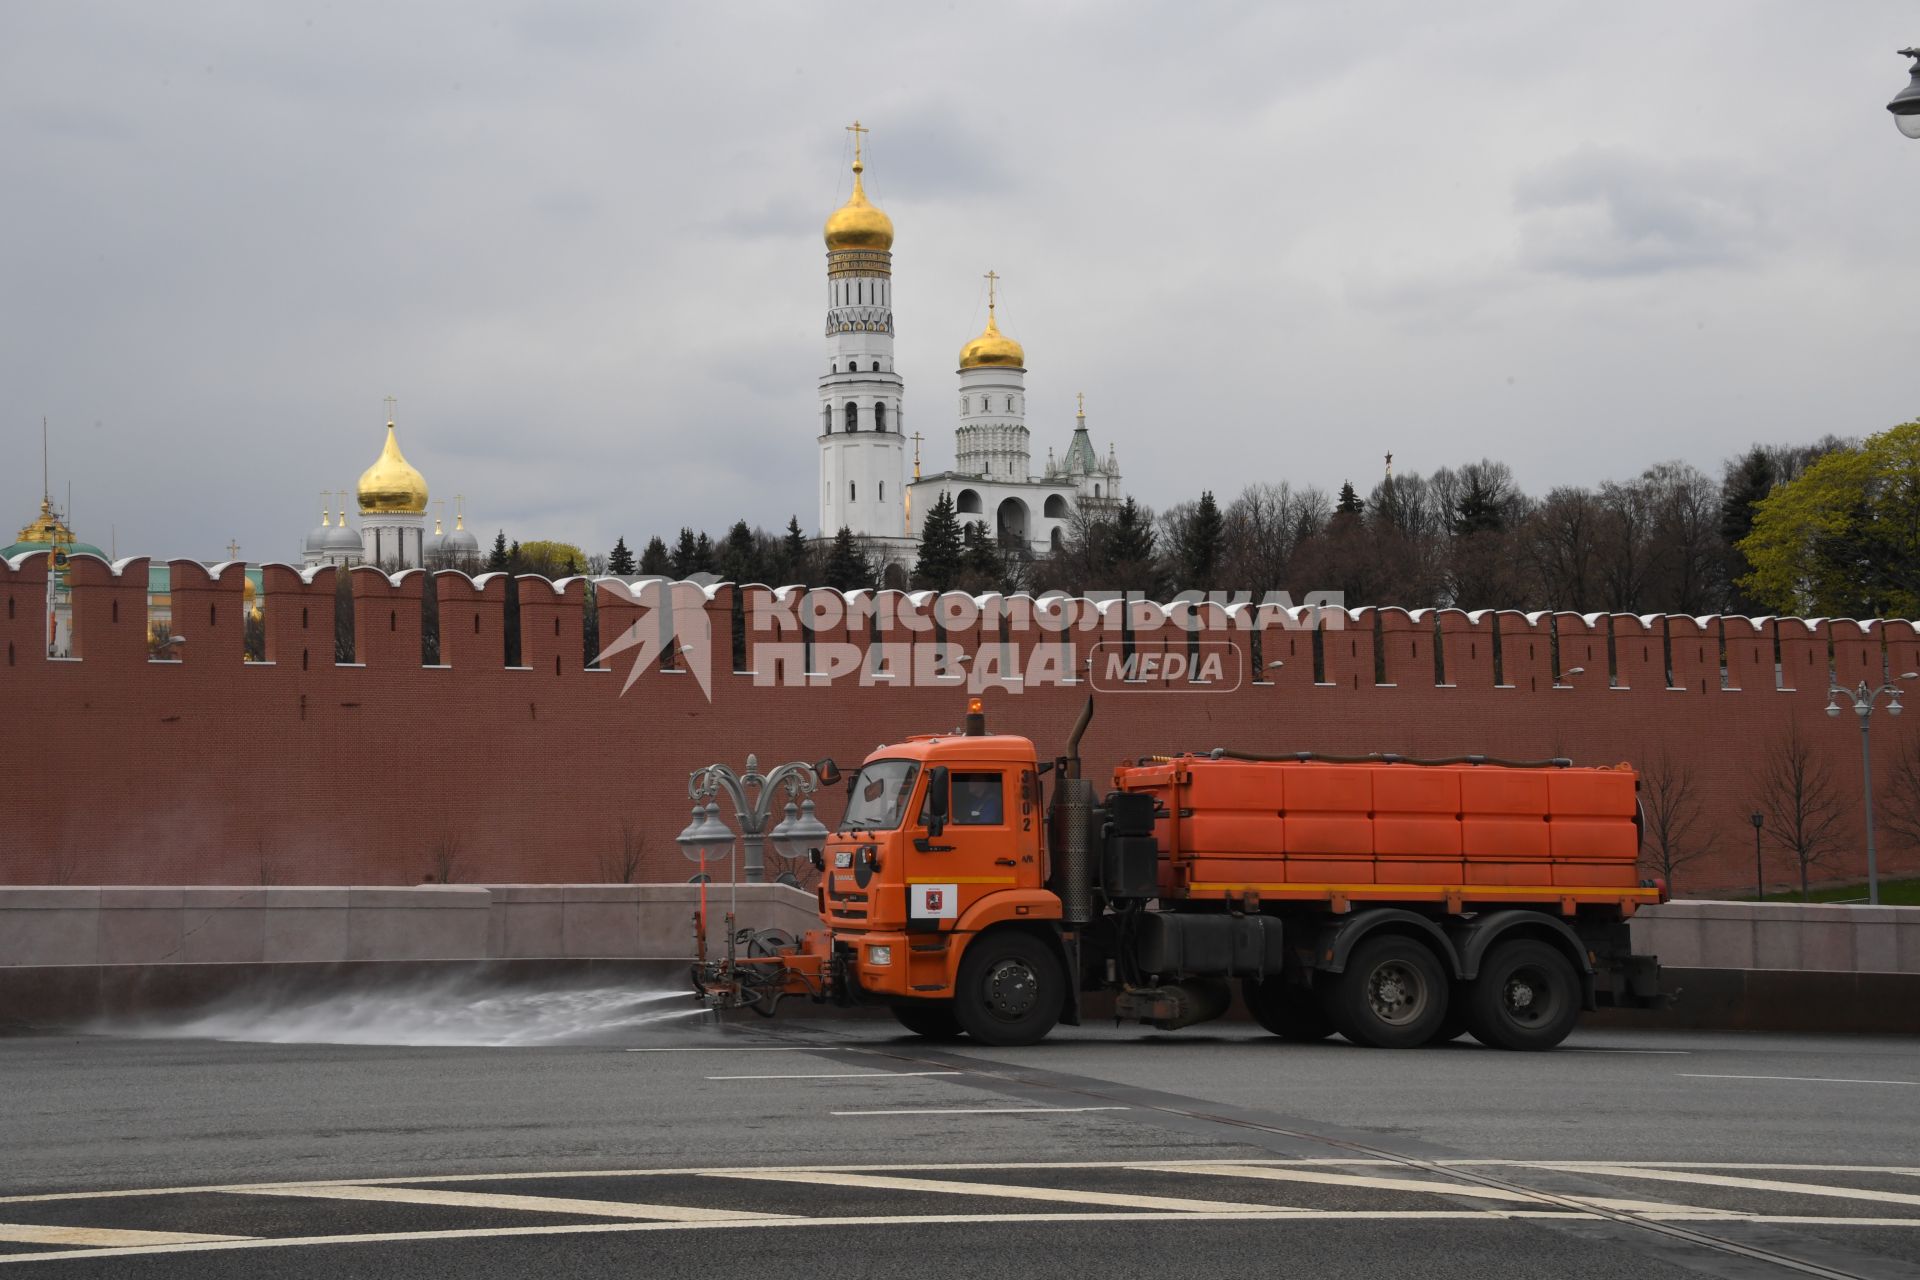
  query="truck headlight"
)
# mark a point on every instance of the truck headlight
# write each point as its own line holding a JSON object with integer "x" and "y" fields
{"x": 879, "y": 955}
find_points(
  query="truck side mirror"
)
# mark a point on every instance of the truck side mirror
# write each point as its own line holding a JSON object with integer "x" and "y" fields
{"x": 827, "y": 771}
{"x": 938, "y": 799}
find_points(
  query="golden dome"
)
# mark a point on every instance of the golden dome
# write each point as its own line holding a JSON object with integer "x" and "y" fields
{"x": 391, "y": 484}
{"x": 993, "y": 347}
{"x": 858, "y": 224}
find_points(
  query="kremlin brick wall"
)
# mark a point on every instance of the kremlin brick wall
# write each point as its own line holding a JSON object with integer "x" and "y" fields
{"x": 296, "y": 770}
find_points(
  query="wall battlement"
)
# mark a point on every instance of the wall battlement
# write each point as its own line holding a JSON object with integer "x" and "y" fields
{"x": 206, "y": 768}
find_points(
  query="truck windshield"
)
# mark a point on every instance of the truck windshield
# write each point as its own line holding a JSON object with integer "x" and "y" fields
{"x": 877, "y": 800}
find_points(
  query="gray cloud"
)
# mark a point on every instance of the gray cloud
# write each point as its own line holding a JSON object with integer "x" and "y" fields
{"x": 581, "y": 243}
{"x": 1612, "y": 213}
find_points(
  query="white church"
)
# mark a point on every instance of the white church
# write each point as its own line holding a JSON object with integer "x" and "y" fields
{"x": 863, "y": 482}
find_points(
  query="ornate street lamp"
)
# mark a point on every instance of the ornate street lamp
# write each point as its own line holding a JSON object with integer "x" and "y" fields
{"x": 1863, "y": 700}
{"x": 1906, "y": 104}
{"x": 752, "y": 794}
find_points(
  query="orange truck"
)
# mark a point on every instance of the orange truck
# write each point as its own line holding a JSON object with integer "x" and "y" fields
{"x": 1398, "y": 902}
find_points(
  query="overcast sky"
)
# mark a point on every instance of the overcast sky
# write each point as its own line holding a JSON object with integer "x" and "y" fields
{"x": 580, "y": 242}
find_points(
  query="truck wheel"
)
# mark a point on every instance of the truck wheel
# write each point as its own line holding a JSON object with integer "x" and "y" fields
{"x": 933, "y": 1019}
{"x": 1526, "y": 997}
{"x": 1010, "y": 989}
{"x": 1393, "y": 994}
{"x": 1290, "y": 1012}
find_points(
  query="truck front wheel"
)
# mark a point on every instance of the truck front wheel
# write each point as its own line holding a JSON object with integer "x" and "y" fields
{"x": 1289, "y": 1011}
{"x": 1010, "y": 989}
{"x": 1392, "y": 995}
{"x": 933, "y": 1019}
{"x": 1527, "y": 996}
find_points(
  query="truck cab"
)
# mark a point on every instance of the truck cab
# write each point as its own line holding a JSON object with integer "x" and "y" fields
{"x": 943, "y": 838}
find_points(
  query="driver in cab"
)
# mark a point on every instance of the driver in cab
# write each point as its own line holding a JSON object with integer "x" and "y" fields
{"x": 976, "y": 800}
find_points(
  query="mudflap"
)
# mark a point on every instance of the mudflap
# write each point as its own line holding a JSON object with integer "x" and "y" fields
{"x": 1070, "y": 952}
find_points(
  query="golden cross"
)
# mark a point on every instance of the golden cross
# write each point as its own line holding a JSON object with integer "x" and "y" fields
{"x": 1082, "y": 398}
{"x": 991, "y": 278}
{"x": 233, "y": 550}
{"x": 390, "y": 403}
{"x": 856, "y": 129}
{"x": 917, "y": 438}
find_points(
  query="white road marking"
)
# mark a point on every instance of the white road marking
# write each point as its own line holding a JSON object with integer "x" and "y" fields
{"x": 29, "y": 1233}
{"x": 881, "y": 1220}
{"x": 1745, "y": 1184}
{"x": 523, "y": 1204}
{"x": 935, "y": 1219}
{"x": 751, "y": 1048}
{"x": 1694, "y": 1075}
{"x": 1004, "y": 1191}
{"x": 842, "y": 1075}
{"x": 1467, "y": 1190}
{"x": 1595, "y": 1049}
{"x": 974, "y": 1111}
{"x": 1356, "y": 1162}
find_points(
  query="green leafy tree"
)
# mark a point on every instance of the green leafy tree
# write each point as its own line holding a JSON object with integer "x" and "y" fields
{"x": 847, "y": 567}
{"x": 654, "y": 560}
{"x": 620, "y": 563}
{"x": 550, "y": 559}
{"x": 1843, "y": 539}
{"x": 942, "y": 550}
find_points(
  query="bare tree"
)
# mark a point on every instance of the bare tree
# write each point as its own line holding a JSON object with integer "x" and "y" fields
{"x": 1804, "y": 812}
{"x": 1559, "y": 542}
{"x": 620, "y": 866}
{"x": 444, "y": 857}
{"x": 1686, "y": 573}
{"x": 1670, "y": 800}
{"x": 1897, "y": 801}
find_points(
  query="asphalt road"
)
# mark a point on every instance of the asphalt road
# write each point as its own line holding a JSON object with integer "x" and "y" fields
{"x": 573, "y": 1135}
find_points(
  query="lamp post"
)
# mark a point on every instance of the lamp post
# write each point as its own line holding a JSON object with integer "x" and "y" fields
{"x": 1906, "y": 104}
{"x": 1863, "y": 700}
{"x": 1758, "y": 820}
{"x": 752, "y": 794}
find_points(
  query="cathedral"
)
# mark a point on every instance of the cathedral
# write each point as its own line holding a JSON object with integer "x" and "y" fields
{"x": 392, "y": 498}
{"x": 863, "y": 483}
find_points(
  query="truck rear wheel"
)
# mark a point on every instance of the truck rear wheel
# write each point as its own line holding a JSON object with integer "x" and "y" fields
{"x": 1526, "y": 997}
{"x": 933, "y": 1019}
{"x": 1289, "y": 1011}
{"x": 1010, "y": 989}
{"x": 1392, "y": 995}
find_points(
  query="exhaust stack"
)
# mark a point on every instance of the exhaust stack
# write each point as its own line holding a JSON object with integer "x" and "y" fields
{"x": 1071, "y": 828}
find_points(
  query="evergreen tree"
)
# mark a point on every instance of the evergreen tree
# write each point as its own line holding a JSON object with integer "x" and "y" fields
{"x": 796, "y": 556}
{"x": 985, "y": 565}
{"x": 514, "y": 560}
{"x": 1197, "y": 545}
{"x": 620, "y": 563}
{"x": 1480, "y": 508}
{"x": 1350, "y": 503}
{"x": 740, "y": 555}
{"x": 941, "y": 549}
{"x": 1133, "y": 540}
{"x": 497, "y": 558}
{"x": 847, "y": 567}
{"x": 686, "y": 555}
{"x": 654, "y": 561}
